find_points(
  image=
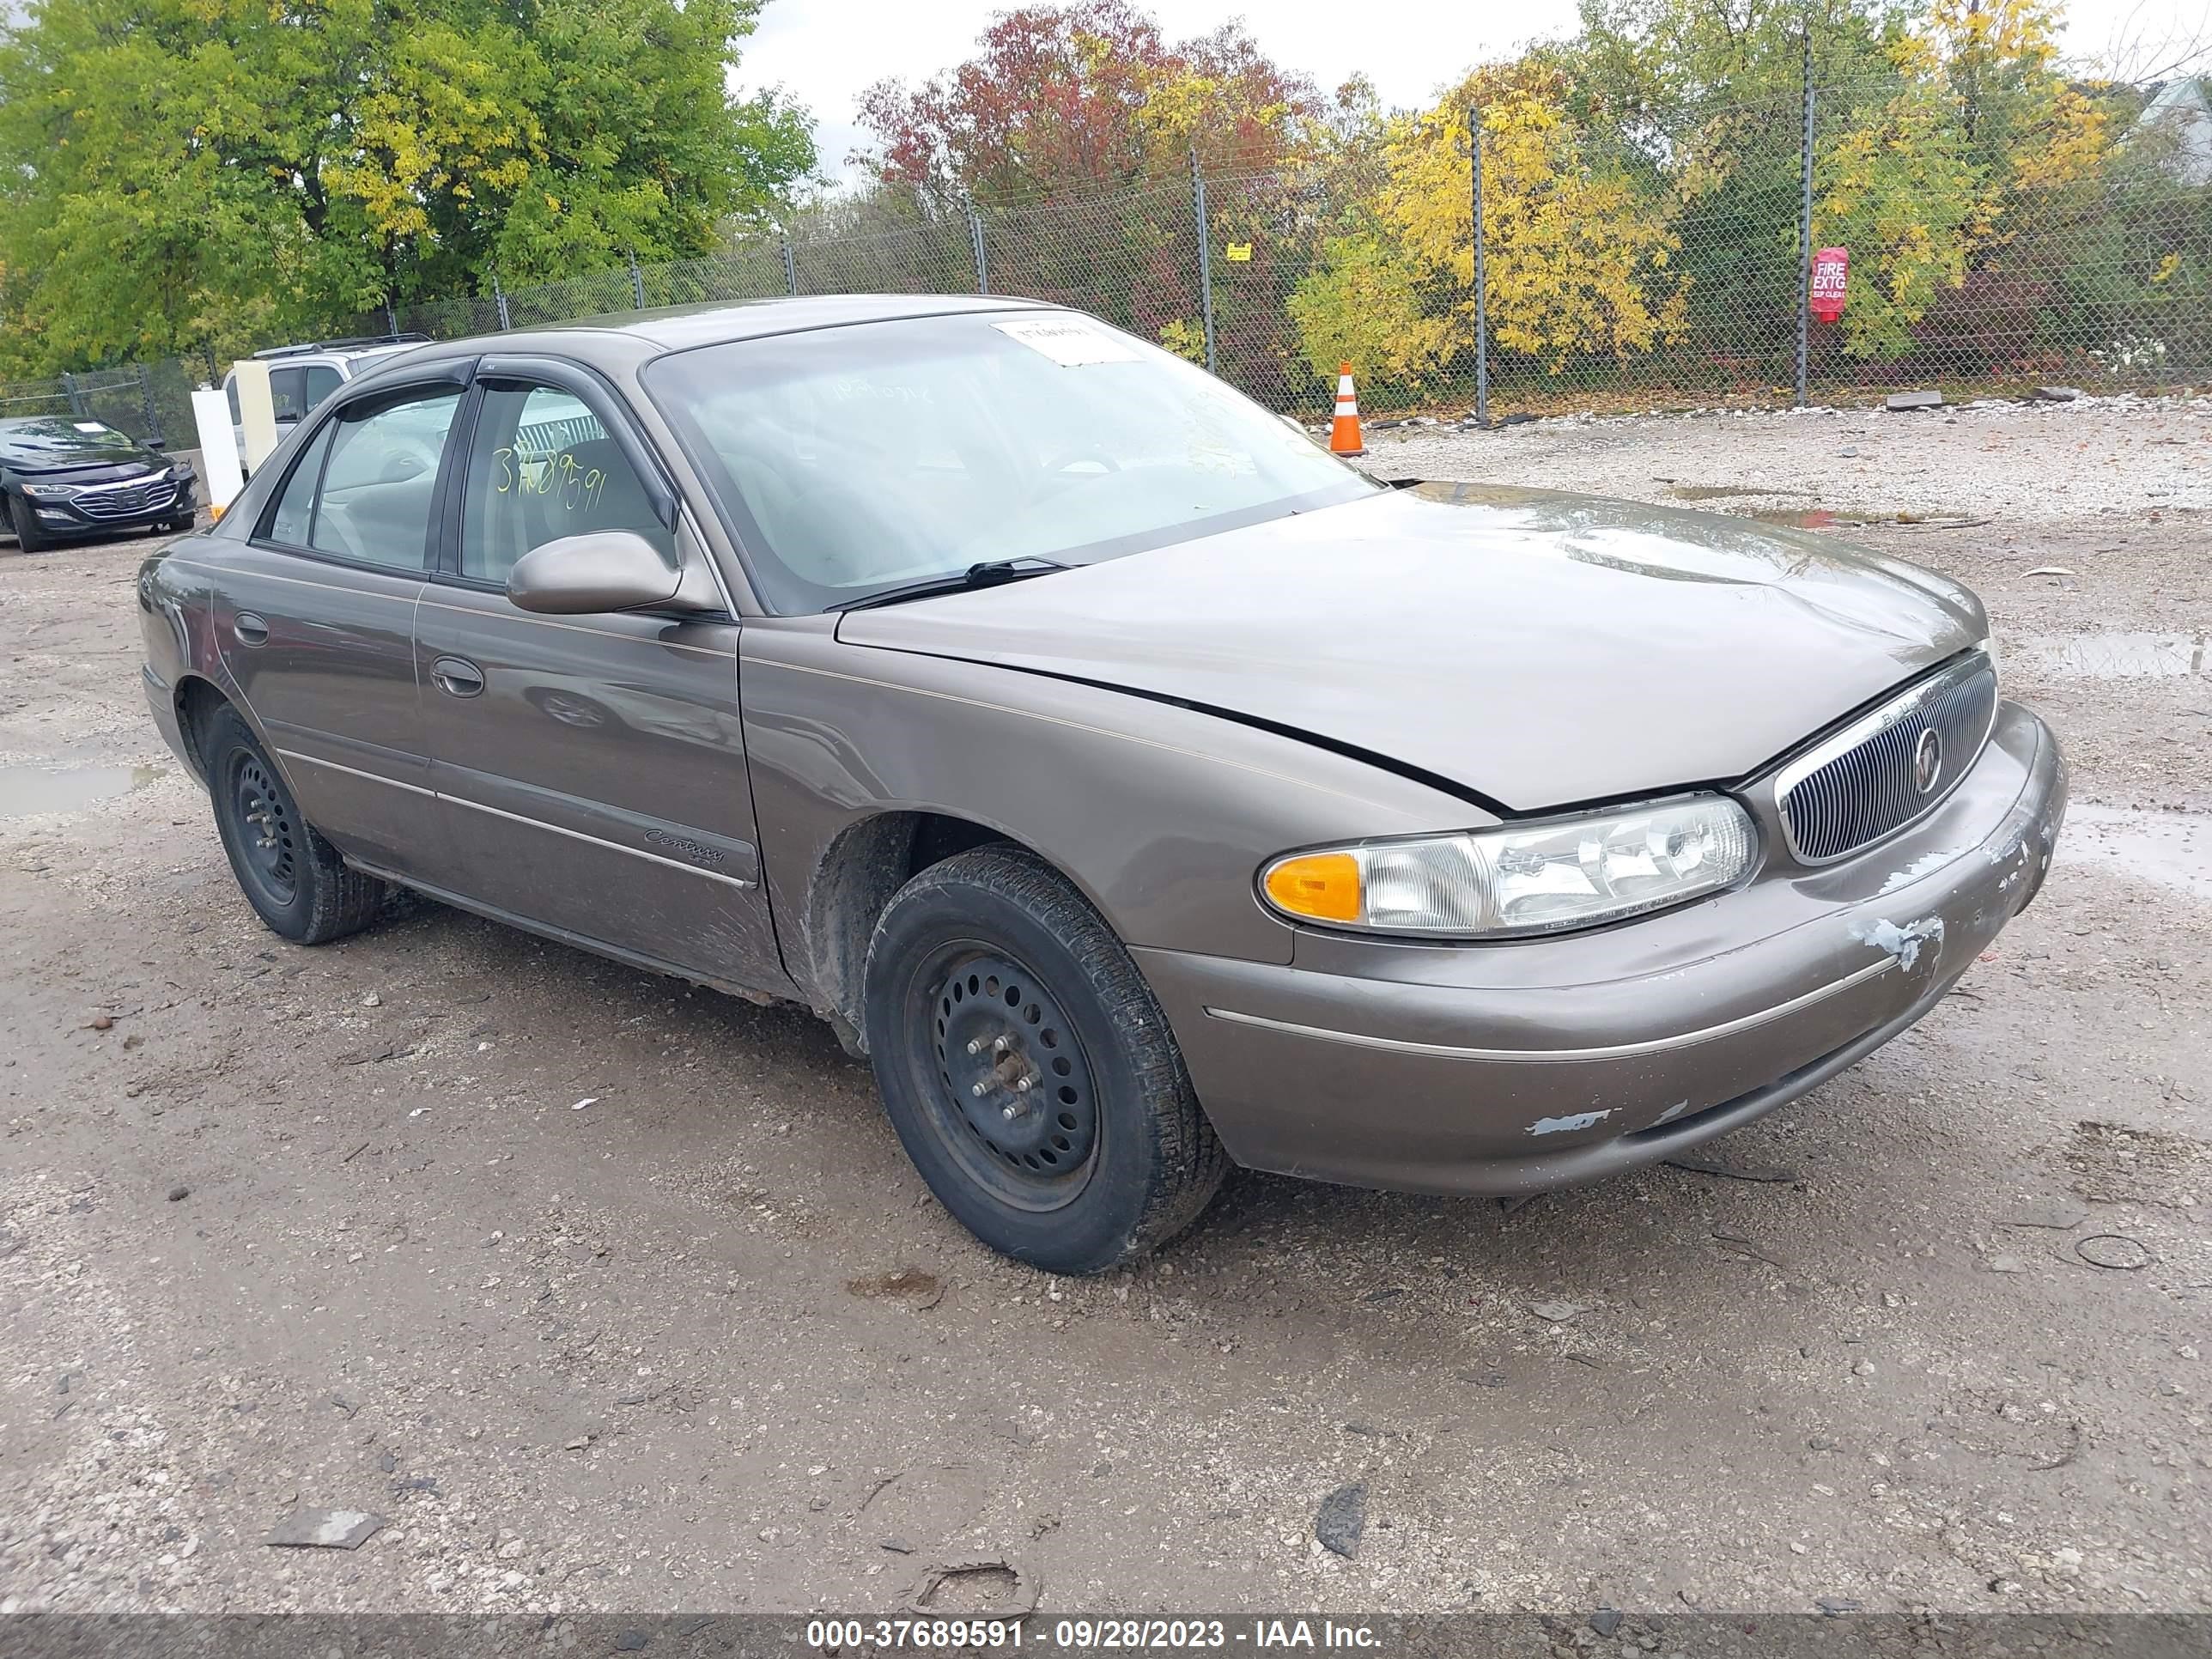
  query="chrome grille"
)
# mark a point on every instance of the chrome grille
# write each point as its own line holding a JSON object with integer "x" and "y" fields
{"x": 127, "y": 503}
{"x": 1864, "y": 783}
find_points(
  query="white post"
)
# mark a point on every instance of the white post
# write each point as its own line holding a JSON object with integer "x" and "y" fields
{"x": 257, "y": 411}
{"x": 218, "y": 448}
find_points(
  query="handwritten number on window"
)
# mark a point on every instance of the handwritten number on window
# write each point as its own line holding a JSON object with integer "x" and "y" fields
{"x": 562, "y": 476}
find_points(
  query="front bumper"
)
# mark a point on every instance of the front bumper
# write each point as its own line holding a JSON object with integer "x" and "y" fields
{"x": 98, "y": 508}
{"x": 1516, "y": 1067}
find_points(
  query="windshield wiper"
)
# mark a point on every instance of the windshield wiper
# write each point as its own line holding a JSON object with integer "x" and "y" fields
{"x": 990, "y": 573}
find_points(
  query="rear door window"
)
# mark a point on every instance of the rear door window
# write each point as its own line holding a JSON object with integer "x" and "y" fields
{"x": 322, "y": 380}
{"x": 295, "y": 509}
{"x": 379, "y": 481}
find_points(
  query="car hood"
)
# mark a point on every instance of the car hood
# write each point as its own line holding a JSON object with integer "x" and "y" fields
{"x": 1534, "y": 648}
{"x": 97, "y": 464}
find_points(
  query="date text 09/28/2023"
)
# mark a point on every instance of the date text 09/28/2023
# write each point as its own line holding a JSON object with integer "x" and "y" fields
{"x": 1084, "y": 1634}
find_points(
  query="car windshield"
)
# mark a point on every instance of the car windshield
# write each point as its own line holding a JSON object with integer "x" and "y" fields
{"x": 850, "y": 461}
{"x": 57, "y": 435}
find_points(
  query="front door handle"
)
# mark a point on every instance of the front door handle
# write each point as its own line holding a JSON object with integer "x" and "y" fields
{"x": 456, "y": 677}
{"x": 249, "y": 628}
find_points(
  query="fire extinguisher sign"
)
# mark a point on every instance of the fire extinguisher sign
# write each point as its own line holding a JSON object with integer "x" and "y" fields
{"x": 1832, "y": 267}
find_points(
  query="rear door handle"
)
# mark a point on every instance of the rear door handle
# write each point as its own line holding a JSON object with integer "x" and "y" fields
{"x": 456, "y": 677}
{"x": 249, "y": 628}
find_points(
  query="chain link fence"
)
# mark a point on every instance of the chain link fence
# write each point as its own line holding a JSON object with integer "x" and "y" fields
{"x": 147, "y": 401}
{"x": 1653, "y": 262}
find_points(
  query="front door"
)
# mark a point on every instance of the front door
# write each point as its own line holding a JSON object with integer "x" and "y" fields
{"x": 591, "y": 769}
{"x": 315, "y": 617}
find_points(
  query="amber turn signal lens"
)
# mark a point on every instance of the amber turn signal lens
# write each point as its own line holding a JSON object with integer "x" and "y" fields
{"x": 1323, "y": 886}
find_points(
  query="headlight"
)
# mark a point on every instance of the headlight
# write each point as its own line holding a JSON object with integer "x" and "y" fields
{"x": 50, "y": 492}
{"x": 1538, "y": 879}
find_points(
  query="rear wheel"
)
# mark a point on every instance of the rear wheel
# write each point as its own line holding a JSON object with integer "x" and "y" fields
{"x": 29, "y": 536}
{"x": 294, "y": 879}
{"x": 1028, "y": 1070}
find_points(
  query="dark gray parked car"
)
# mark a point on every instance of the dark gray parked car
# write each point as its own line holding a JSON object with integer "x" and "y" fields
{"x": 1140, "y": 788}
{"x": 62, "y": 477}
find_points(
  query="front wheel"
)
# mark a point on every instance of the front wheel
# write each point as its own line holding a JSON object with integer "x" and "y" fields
{"x": 1028, "y": 1069}
{"x": 25, "y": 522}
{"x": 294, "y": 879}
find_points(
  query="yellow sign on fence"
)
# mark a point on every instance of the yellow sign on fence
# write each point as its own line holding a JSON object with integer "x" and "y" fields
{"x": 1238, "y": 252}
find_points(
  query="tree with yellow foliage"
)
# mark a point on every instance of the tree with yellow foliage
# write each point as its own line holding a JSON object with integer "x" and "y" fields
{"x": 1578, "y": 248}
{"x": 1898, "y": 188}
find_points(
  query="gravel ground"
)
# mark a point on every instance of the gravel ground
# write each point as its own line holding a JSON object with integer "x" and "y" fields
{"x": 2095, "y": 460}
{"x": 333, "y": 1228}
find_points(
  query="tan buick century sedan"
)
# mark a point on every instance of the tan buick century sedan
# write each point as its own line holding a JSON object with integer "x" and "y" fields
{"x": 1139, "y": 788}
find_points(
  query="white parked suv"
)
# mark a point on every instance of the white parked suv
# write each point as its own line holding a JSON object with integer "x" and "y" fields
{"x": 301, "y": 376}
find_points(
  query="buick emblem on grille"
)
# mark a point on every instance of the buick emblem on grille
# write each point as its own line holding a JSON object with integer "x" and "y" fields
{"x": 1926, "y": 760}
{"x": 1879, "y": 774}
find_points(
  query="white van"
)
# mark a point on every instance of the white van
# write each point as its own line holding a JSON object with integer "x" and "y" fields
{"x": 301, "y": 376}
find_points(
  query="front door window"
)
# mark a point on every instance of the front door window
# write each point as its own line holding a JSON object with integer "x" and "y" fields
{"x": 542, "y": 467}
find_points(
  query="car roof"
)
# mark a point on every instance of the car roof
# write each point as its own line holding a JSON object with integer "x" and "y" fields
{"x": 624, "y": 342}
{"x": 636, "y": 336}
{"x": 679, "y": 327}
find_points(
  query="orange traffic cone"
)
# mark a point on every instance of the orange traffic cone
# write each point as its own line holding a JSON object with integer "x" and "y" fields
{"x": 1344, "y": 437}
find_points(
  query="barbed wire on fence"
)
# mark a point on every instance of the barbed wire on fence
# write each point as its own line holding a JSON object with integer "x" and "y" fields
{"x": 1654, "y": 262}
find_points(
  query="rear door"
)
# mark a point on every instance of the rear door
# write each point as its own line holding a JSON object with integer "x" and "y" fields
{"x": 591, "y": 769}
{"x": 315, "y": 620}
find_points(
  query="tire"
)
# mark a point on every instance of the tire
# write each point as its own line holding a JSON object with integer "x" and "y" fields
{"x": 294, "y": 879}
{"x": 29, "y": 536}
{"x": 1108, "y": 1155}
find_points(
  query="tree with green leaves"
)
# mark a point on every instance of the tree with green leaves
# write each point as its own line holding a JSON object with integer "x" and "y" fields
{"x": 181, "y": 174}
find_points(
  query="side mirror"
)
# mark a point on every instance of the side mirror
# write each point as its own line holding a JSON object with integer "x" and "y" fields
{"x": 579, "y": 575}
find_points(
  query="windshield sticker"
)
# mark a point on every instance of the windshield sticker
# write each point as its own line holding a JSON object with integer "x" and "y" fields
{"x": 90, "y": 426}
{"x": 1070, "y": 341}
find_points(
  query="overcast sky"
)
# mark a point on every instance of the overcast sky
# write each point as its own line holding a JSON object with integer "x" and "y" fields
{"x": 824, "y": 51}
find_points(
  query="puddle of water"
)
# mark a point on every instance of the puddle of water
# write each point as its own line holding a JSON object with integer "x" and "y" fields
{"x": 2112, "y": 656}
{"x": 26, "y": 791}
{"x": 1815, "y": 517}
{"x": 1727, "y": 492}
{"x": 2173, "y": 849}
{"x": 1842, "y": 517}
{"x": 1806, "y": 518}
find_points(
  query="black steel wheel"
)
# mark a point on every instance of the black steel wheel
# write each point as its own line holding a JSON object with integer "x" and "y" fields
{"x": 1028, "y": 1069}
{"x": 294, "y": 879}
{"x": 268, "y": 835}
{"x": 1017, "y": 1102}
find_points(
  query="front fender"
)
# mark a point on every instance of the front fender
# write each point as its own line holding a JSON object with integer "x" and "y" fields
{"x": 1161, "y": 815}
